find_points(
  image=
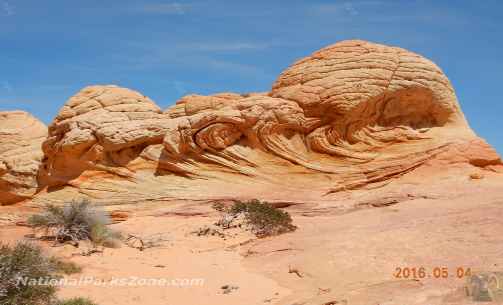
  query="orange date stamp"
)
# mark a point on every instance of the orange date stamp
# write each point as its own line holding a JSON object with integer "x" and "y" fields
{"x": 419, "y": 272}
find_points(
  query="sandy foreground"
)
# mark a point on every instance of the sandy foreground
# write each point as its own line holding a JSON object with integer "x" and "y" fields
{"x": 337, "y": 256}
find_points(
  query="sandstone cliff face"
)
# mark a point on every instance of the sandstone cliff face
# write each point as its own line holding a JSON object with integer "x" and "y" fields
{"x": 352, "y": 115}
{"x": 21, "y": 136}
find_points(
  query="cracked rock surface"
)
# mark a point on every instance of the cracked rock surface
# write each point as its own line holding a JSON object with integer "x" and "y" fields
{"x": 351, "y": 116}
{"x": 20, "y": 155}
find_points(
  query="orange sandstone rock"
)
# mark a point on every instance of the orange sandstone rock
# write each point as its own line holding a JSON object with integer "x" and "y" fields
{"x": 353, "y": 115}
{"x": 20, "y": 155}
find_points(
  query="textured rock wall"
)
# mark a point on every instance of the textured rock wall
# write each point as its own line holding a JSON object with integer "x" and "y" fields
{"x": 352, "y": 115}
{"x": 102, "y": 127}
{"x": 21, "y": 136}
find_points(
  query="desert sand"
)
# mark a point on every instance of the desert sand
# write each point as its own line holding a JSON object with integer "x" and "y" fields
{"x": 345, "y": 255}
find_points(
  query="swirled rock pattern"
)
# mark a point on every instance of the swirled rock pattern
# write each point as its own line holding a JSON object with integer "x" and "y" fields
{"x": 20, "y": 155}
{"x": 350, "y": 116}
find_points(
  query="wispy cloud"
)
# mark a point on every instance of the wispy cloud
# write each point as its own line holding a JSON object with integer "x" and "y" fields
{"x": 6, "y": 8}
{"x": 378, "y": 11}
{"x": 53, "y": 87}
{"x": 6, "y": 86}
{"x": 172, "y": 8}
{"x": 156, "y": 57}
{"x": 241, "y": 69}
{"x": 180, "y": 87}
{"x": 350, "y": 9}
{"x": 156, "y": 54}
{"x": 224, "y": 46}
{"x": 344, "y": 8}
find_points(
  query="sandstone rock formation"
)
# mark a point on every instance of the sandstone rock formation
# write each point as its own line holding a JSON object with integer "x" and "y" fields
{"x": 21, "y": 136}
{"x": 102, "y": 127}
{"x": 352, "y": 115}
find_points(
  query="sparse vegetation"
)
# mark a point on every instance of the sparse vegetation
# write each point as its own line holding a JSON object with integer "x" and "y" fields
{"x": 262, "y": 217}
{"x": 76, "y": 301}
{"x": 74, "y": 222}
{"x": 219, "y": 206}
{"x": 25, "y": 262}
{"x": 101, "y": 235}
{"x": 21, "y": 262}
{"x": 207, "y": 231}
{"x": 146, "y": 242}
{"x": 227, "y": 289}
{"x": 65, "y": 267}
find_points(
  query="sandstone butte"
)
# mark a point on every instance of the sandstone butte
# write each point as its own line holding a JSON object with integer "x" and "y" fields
{"x": 352, "y": 116}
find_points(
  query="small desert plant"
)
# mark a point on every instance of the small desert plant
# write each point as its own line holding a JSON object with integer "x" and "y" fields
{"x": 264, "y": 219}
{"x": 219, "y": 206}
{"x": 64, "y": 267}
{"x": 22, "y": 267}
{"x": 75, "y": 221}
{"x": 101, "y": 235}
{"x": 75, "y": 301}
{"x": 25, "y": 262}
{"x": 243, "y": 206}
{"x": 21, "y": 262}
{"x": 146, "y": 242}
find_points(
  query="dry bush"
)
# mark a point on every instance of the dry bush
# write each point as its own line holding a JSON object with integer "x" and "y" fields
{"x": 74, "y": 222}
{"x": 263, "y": 218}
{"x": 65, "y": 267}
{"x": 76, "y": 301}
{"x": 146, "y": 242}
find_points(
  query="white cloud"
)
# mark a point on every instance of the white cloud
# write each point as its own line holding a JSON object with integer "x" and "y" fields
{"x": 236, "y": 68}
{"x": 180, "y": 87}
{"x": 53, "y": 87}
{"x": 378, "y": 11}
{"x": 351, "y": 8}
{"x": 173, "y": 8}
{"x": 7, "y": 8}
{"x": 224, "y": 46}
{"x": 6, "y": 86}
{"x": 155, "y": 54}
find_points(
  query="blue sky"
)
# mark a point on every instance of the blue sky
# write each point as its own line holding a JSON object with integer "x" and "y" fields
{"x": 165, "y": 49}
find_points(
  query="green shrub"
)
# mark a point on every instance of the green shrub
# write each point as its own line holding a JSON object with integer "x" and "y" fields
{"x": 25, "y": 261}
{"x": 101, "y": 235}
{"x": 243, "y": 206}
{"x": 264, "y": 219}
{"x": 76, "y": 301}
{"x": 75, "y": 221}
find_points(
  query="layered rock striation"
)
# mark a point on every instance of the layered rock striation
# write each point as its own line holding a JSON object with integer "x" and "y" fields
{"x": 352, "y": 115}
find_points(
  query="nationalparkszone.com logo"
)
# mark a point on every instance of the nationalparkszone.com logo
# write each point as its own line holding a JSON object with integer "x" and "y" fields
{"x": 113, "y": 282}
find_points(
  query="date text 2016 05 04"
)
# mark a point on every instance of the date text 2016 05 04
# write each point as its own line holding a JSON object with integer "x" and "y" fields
{"x": 435, "y": 272}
